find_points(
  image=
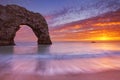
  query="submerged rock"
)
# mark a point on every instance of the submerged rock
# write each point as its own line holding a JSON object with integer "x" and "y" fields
{"x": 12, "y": 16}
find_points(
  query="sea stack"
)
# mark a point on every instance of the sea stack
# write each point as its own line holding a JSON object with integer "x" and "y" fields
{"x": 12, "y": 16}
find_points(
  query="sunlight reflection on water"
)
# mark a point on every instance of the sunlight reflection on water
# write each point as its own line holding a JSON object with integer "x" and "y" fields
{"x": 59, "y": 58}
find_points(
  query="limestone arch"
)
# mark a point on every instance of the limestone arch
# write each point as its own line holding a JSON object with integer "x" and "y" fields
{"x": 41, "y": 34}
{"x": 11, "y": 16}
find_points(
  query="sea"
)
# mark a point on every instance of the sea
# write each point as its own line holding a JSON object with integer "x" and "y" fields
{"x": 59, "y": 58}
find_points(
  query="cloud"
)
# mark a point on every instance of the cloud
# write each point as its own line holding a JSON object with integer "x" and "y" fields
{"x": 81, "y": 11}
{"x": 105, "y": 26}
{"x": 52, "y": 18}
{"x": 5, "y": 2}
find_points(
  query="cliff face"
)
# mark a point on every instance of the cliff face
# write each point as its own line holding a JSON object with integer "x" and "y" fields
{"x": 12, "y": 16}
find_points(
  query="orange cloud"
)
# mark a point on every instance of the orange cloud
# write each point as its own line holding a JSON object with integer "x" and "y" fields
{"x": 84, "y": 33}
{"x": 107, "y": 24}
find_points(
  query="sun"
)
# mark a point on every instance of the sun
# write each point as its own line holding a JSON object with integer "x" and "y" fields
{"x": 104, "y": 38}
{"x": 101, "y": 38}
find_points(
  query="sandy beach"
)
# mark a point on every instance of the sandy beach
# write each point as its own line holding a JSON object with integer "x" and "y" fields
{"x": 105, "y": 75}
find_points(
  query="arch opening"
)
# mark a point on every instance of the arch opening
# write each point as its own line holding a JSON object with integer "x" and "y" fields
{"x": 25, "y": 35}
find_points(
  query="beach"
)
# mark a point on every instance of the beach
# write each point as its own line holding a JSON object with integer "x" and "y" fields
{"x": 105, "y": 75}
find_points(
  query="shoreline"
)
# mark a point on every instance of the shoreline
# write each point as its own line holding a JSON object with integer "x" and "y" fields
{"x": 104, "y": 75}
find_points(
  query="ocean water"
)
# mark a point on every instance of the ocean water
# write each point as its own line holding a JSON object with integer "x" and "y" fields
{"x": 59, "y": 58}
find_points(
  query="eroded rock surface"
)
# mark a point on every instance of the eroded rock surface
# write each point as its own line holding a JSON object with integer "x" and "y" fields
{"x": 12, "y": 16}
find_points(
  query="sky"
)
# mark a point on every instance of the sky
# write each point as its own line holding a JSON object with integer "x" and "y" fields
{"x": 62, "y": 12}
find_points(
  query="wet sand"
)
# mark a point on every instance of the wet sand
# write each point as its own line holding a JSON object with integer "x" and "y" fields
{"x": 105, "y": 75}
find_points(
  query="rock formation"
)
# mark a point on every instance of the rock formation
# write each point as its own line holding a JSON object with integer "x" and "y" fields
{"x": 12, "y": 16}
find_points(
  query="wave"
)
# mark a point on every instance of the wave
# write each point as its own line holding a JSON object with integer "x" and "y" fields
{"x": 62, "y": 56}
{"x": 53, "y": 64}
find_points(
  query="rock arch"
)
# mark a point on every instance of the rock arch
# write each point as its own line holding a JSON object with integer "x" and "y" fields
{"x": 11, "y": 16}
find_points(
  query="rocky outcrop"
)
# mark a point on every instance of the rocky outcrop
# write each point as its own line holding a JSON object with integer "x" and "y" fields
{"x": 12, "y": 16}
